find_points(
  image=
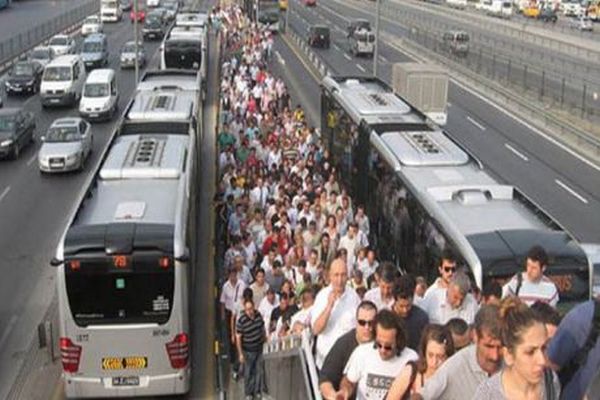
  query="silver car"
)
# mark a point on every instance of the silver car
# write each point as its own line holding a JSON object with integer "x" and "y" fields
{"x": 42, "y": 55}
{"x": 62, "y": 44}
{"x": 128, "y": 55}
{"x": 66, "y": 146}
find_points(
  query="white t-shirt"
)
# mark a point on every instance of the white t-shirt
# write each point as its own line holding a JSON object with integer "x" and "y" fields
{"x": 374, "y": 295}
{"x": 439, "y": 310}
{"x": 341, "y": 319}
{"x": 231, "y": 294}
{"x": 543, "y": 290}
{"x": 265, "y": 309}
{"x": 372, "y": 375}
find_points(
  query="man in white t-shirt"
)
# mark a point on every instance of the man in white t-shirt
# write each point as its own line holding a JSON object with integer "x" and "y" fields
{"x": 383, "y": 295}
{"x": 455, "y": 302}
{"x": 333, "y": 313}
{"x": 372, "y": 367}
{"x": 446, "y": 268}
{"x": 267, "y": 305}
{"x": 532, "y": 285}
{"x": 351, "y": 242}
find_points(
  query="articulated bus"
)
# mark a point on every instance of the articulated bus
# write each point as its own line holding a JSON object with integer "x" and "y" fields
{"x": 124, "y": 264}
{"x": 425, "y": 192}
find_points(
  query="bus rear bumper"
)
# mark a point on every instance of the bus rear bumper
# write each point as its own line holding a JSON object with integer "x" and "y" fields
{"x": 86, "y": 387}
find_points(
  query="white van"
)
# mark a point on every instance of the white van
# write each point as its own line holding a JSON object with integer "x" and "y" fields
{"x": 62, "y": 81}
{"x": 100, "y": 97}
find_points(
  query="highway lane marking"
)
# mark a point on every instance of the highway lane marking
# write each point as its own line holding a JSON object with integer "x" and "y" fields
{"x": 449, "y": 104}
{"x": 383, "y": 59}
{"x": 477, "y": 124}
{"x": 347, "y": 57}
{"x": 361, "y": 68}
{"x": 31, "y": 160}
{"x": 571, "y": 191}
{"x": 279, "y": 57}
{"x": 336, "y": 14}
{"x": 338, "y": 48}
{"x": 516, "y": 152}
{"x": 11, "y": 324}
{"x": 3, "y": 195}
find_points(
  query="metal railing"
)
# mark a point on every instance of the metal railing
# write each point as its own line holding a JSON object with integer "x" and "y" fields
{"x": 16, "y": 45}
{"x": 290, "y": 369}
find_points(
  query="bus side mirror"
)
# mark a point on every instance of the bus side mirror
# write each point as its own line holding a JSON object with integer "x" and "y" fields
{"x": 55, "y": 262}
{"x": 185, "y": 257}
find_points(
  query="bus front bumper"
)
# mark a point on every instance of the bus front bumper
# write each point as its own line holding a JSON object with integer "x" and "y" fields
{"x": 90, "y": 387}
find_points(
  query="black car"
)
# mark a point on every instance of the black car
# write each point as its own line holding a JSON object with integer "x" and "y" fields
{"x": 16, "y": 131}
{"x": 547, "y": 14}
{"x": 318, "y": 36}
{"x": 155, "y": 26}
{"x": 24, "y": 77}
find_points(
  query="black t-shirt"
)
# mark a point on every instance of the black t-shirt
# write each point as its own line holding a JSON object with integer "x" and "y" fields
{"x": 414, "y": 324}
{"x": 337, "y": 358}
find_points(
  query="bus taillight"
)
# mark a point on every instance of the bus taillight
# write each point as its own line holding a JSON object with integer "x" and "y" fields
{"x": 75, "y": 265}
{"x": 164, "y": 262}
{"x": 70, "y": 354}
{"x": 178, "y": 351}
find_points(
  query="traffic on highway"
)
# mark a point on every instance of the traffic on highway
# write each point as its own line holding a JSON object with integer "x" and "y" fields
{"x": 315, "y": 199}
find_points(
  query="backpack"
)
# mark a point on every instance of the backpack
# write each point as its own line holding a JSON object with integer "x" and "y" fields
{"x": 567, "y": 372}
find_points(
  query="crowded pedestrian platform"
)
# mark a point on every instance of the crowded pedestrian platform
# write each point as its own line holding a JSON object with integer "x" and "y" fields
{"x": 298, "y": 257}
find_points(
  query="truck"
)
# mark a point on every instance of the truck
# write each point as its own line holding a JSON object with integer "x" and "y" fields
{"x": 361, "y": 41}
{"x": 425, "y": 86}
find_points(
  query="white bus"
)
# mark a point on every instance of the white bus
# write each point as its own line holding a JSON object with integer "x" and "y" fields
{"x": 110, "y": 11}
{"x": 185, "y": 47}
{"x": 425, "y": 192}
{"x": 124, "y": 262}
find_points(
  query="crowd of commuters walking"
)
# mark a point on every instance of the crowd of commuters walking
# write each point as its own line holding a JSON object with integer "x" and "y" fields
{"x": 297, "y": 258}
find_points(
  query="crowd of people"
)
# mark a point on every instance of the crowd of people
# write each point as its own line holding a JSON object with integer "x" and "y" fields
{"x": 297, "y": 258}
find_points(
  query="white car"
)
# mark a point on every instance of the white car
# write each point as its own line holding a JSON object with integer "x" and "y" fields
{"x": 582, "y": 23}
{"x": 92, "y": 24}
{"x": 42, "y": 55}
{"x": 66, "y": 146}
{"x": 62, "y": 44}
{"x": 152, "y": 3}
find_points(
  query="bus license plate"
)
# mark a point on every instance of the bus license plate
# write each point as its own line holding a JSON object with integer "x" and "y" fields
{"x": 126, "y": 381}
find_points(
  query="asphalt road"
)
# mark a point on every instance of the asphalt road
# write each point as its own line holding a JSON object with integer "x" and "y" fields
{"x": 22, "y": 15}
{"x": 561, "y": 183}
{"x": 34, "y": 211}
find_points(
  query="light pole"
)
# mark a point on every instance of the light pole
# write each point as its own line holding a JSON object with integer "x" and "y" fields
{"x": 287, "y": 14}
{"x": 376, "y": 52}
{"x": 135, "y": 39}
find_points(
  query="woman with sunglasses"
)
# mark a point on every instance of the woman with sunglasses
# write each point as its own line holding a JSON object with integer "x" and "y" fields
{"x": 436, "y": 346}
{"x": 525, "y": 375}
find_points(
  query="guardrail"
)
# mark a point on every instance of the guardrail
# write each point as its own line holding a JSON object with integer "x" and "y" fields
{"x": 290, "y": 370}
{"x": 16, "y": 45}
{"x": 524, "y": 31}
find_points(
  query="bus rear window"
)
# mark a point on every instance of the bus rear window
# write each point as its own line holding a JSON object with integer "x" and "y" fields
{"x": 120, "y": 291}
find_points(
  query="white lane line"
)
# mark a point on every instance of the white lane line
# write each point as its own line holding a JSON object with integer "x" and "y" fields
{"x": 573, "y": 192}
{"x": 516, "y": 152}
{"x": 279, "y": 57}
{"x": 4, "y": 193}
{"x": 361, "y": 68}
{"x": 336, "y": 14}
{"x": 449, "y": 104}
{"x": 31, "y": 160}
{"x": 338, "y": 48}
{"x": 477, "y": 124}
{"x": 347, "y": 57}
{"x": 8, "y": 330}
{"x": 383, "y": 59}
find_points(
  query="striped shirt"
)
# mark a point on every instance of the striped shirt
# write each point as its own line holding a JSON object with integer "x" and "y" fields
{"x": 543, "y": 290}
{"x": 252, "y": 331}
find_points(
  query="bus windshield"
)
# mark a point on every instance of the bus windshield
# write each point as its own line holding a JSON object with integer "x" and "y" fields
{"x": 123, "y": 290}
{"x": 185, "y": 54}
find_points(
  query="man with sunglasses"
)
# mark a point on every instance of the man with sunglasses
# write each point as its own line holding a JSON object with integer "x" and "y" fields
{"x": 372, "y": 368}
{"x": 332, "y": 372}
{"x": 446, "y": 268}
